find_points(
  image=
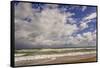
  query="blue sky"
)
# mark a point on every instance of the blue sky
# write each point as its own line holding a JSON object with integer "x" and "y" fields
{"x": 53, "y": 24}
{"x": 79, "y": 14}
{"x": 77, "y": 9}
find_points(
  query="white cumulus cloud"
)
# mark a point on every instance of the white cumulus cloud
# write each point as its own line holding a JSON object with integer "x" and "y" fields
{"x": 49, "y": 27}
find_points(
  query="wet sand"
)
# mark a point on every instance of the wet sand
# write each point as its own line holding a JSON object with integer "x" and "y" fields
{"x": 58, "y": 60}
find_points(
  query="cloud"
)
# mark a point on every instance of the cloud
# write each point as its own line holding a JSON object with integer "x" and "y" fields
{"x": 87, "y": 19}
{"x": 88, "y": 36}
{"x": 48, "y": 28}
{"x": 44, "y": 27}
{"x": 54, "y": 26}
{"x": 50, "y": 6}
{"x": 84, "y": 8}
{"x": 81, "y": 40}
{"x": 83, "y": 25}
{"x": 91, "y": 16}
{"x": 23, "y": 10}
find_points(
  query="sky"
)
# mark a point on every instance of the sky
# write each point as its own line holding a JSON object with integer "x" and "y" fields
{"x": 40, "y": 25}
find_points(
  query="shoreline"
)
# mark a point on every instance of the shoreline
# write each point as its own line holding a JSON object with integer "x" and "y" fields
{"x": 60, "y": 59}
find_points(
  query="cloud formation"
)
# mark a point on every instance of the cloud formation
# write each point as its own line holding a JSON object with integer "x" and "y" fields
{"x": 49, "y": 28}
{"x": 91, "y": 16}
{"x": 86, "y": 20}
{"x": 84, "y": 8}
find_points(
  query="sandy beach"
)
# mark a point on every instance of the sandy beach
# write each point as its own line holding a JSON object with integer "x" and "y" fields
{"x": 56, "y": 59}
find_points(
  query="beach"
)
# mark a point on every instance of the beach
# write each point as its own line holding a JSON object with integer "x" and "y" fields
{"x": 56, "y": 58}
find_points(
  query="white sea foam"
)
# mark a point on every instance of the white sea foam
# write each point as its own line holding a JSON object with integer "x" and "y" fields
{"x": 19, "y": 55}
{"x": 52, "y": 56}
